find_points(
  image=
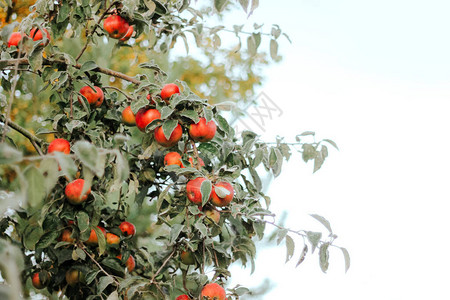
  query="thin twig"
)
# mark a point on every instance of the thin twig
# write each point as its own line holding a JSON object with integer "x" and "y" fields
{"x": 98, "y": 265}
{"x": 163, "y": 265}
{"x": 119, "y": 90}
{"x": 37, "y": 142}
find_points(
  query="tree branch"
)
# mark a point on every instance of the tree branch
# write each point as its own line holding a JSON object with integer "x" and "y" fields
{"x": 35, "y": 141}
{"x": 106, "y": 71}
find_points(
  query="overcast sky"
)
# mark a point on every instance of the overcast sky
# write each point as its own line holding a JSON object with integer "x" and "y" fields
{"x": 374, "y": 76}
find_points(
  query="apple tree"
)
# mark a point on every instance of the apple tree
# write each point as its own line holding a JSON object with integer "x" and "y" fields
{"x": 138, "y": 187}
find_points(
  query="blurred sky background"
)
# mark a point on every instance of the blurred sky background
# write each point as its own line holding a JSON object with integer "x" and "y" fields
{"x": 374, "y": 76}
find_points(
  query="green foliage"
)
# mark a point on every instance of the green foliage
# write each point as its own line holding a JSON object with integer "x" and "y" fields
{"x": 124, "y": 174}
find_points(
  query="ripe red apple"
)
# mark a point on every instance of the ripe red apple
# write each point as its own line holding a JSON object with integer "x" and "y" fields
{"x": 202, "y": 131}
{"x": 116, "y": 26}
{"x": 145, "y": 116}
{"x": 66, "y": 236}
{"x": 59, "y": 145}
{"x": 128, "y": 118}
{"x": 73, "y": 192}
{"x": 193, "y": 190}
{"x": 220, "y": 198}
{"x": 14, "y": 39}
{"x": 172, "y": 158}
{"x": 200, "y": 162}
{"x": 183, "y": 297}
{"x": 187, "y": 258}
{"x": 168, "y": 90}
{"x": 213, "y": 291}
{"x": 36, "y": 35}
{"x": 93, "y": 239}
{"x": 40, "y": 279}
{"x": 94, "y": 98}
{"x": 127, "y": 228}
{"x": 112, "y": 239}
{"x": 174, "y": 137}
{"x": 212, "y": 214}
{"x": 128, "y": 35}
{"x": 74, "y": 276}
{"x": 130, "y": 263}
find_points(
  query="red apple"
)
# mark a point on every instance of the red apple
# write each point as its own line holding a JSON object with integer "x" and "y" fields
{"x": 14, "y": 39}
{"x": 172, "y": 158}
{"x": 128, "y": 118}
{"x": 127, "y": 228}
{"x": 227, "y": 193}
{"x": 66, "y": 236}
{"x": 40, "y": 279}
{"x": 168, "y": 90}
{"x": 94, "y": 98}
{"x": 193, "y": 190}
{"x": 200, "y": 162}
{"x": 187, "y": 258}
{"x": 130, "y": 263}
{"x": 128, "y": 35}
{"x": 174, "y": 137}
{"x": 74, "y": 276}
{"x": 93, "y": 239}
{"x": 36, "y": 35}
{"x": 183, "y": 297}
{"x": 116, "y": 26}
{"x": 145, "y": 116}
{"x": 202, "y": 131}
{"x": 212, "y": 214}
{"x": 112, "y": 239}
{"x": 213, "y": 291}
{"x": 73, "y": 192}
{"x": 59, "y": 145}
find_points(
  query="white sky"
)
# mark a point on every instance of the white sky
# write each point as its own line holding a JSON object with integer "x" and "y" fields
{"x": 374, "y": 77}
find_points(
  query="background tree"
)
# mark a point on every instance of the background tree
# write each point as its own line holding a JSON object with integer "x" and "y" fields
{"x": 70, "y": 205}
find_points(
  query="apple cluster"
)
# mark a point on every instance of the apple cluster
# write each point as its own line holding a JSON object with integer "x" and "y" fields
{"x": 76, "y": 194}
{"x": 35, "y": 33}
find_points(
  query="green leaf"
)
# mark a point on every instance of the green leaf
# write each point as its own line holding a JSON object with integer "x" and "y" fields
{"x": 101, "y": 240}
{"x": 47, "y": 239}
{"x": 136, "y": 105}
{"x": 290, "y": 247}
{"x": 244, "y": 4}
{"x": 332, "y": 143}
{"x": 35, "y": 59}
{"x": 103, "y": 282}
{"x": 87, "y": 66}
{"x": 63, "y": 12}
{"x": 259, "y": 154}
{"x": 168, "y": 127}
{"x": 49, "y": 170}
{"x": 220, "y": 4}
{"x": 309, "y": 152}
{"x": 67, "y": 164}
{"x": 323, "y": 221}
{"x": 36, "y": 186}
{"x": 113, "y": 296}
{"x": 273, "y": 49}
{"x": 256, "y": 179}
{"x": 302, "y": 255}
{"x": 346, "y": 258}
{"x": 251, "y": 46}
{"x": 202, "y": 229}
{"x": 191, "y": 114}
{"x": 208, "y": 113}
{"x": 87, "y": 153}
{"x": 83, "y": 221}
{"x": 221, "y": 191}
{"x": 122, "y": 169}
{"x": 323, "y": 257}
{"x": 175, "y": 232}
{"x": 205, "y": 189}
{"x": 9, "y": 154}
{"x": 91, "y": 276}
{"x": 223, "y": 124}
{"x": 166, "y": 111}
{"x": 255, "y": 4}
{"x": 31, "y": 236}
{"x": 314, "y": 239}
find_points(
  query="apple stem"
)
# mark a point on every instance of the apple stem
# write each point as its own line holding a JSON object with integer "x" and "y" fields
{"x": 197, "y": 157}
